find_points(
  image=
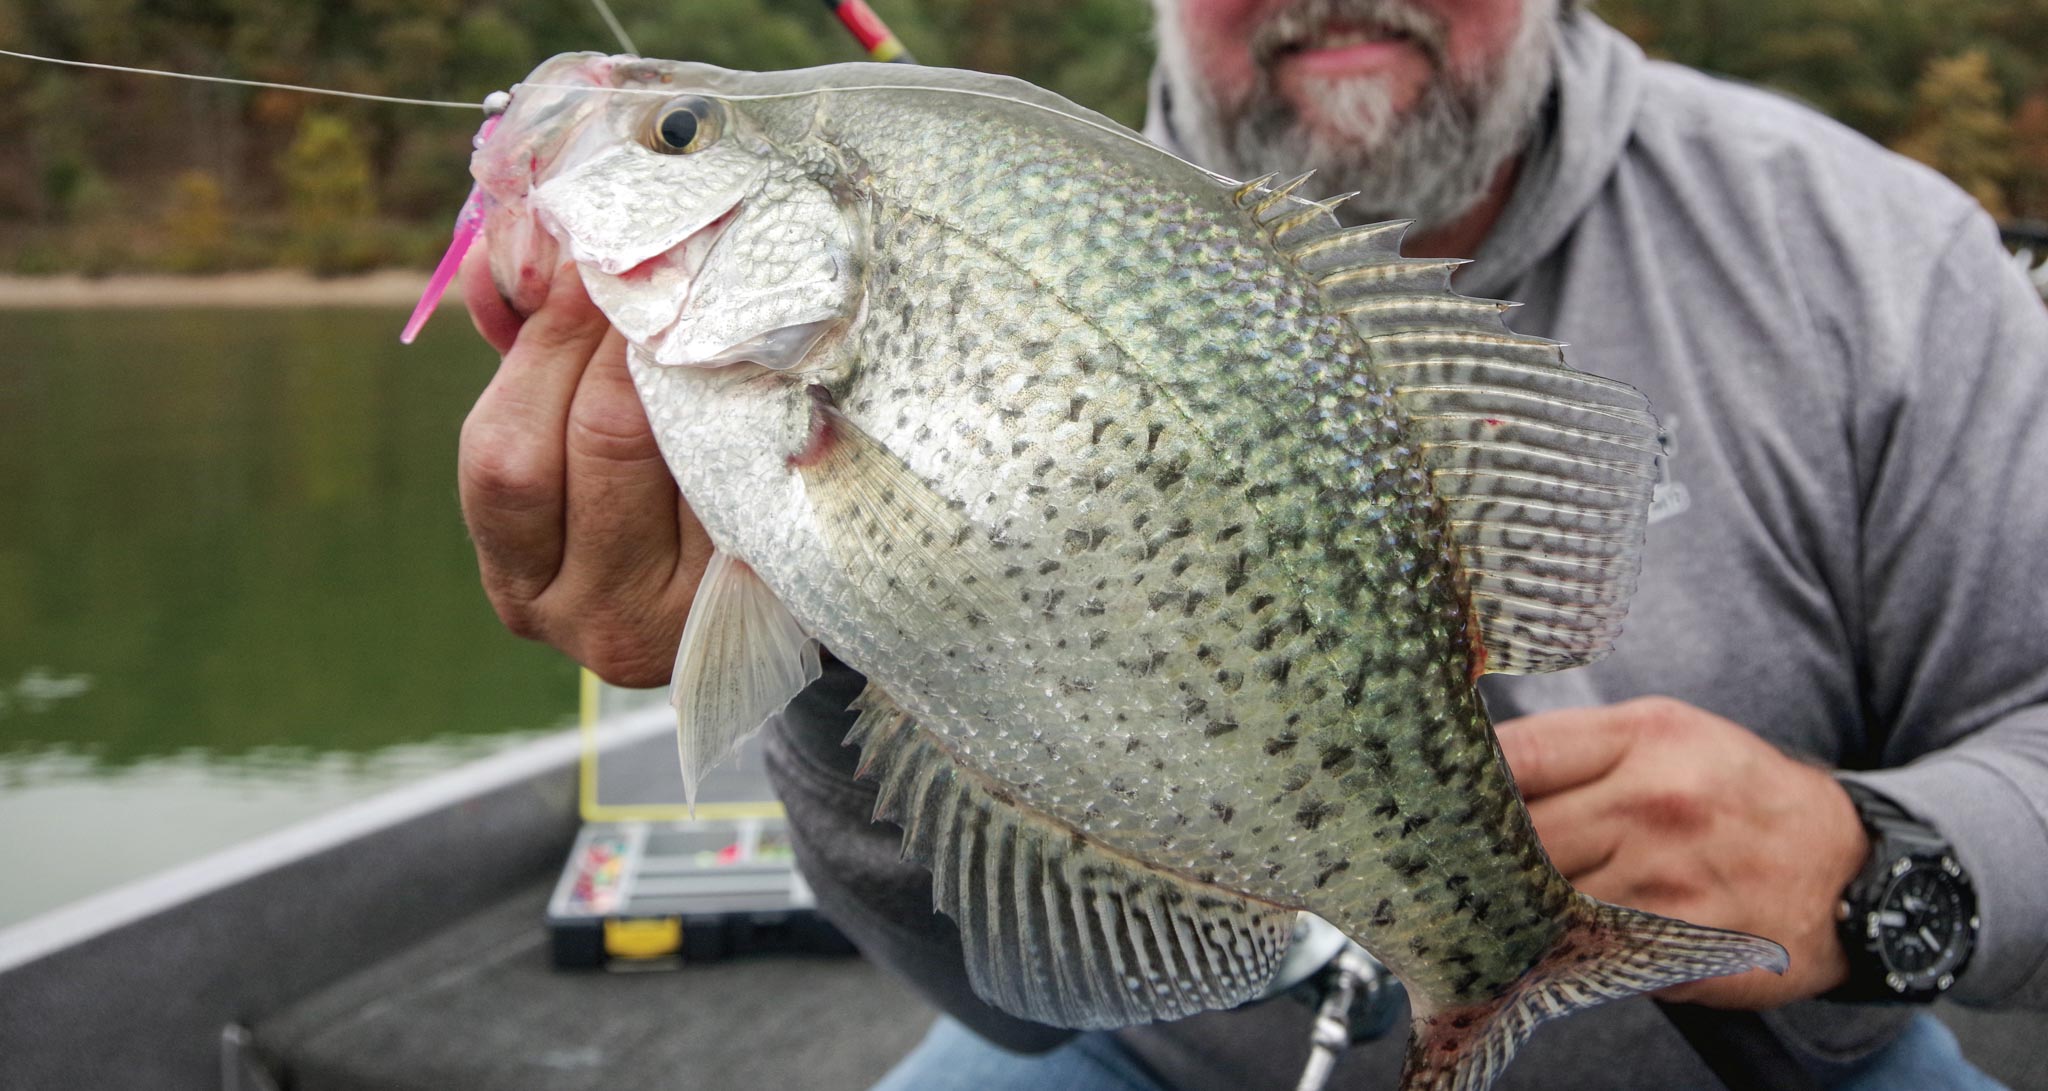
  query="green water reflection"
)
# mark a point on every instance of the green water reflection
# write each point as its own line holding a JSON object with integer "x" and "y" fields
{"x": 229, "y": 542}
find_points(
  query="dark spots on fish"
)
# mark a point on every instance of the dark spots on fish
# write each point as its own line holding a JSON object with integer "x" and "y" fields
{"x": 1314, "y": 811}
{"x": 1152, "y": 432}
{"x": 1159, "y": 599}
{"x": 960, "y": 536}
{"x": 1048, "y": 567}
{"x": 1230, "y": 680}
{"x": 1181, "y": 564}
{"x": 1193, "y": 709}
{"x": 1297, "y": 778}
{"x": 1013, "y": 571}
{"x": 1103, "y": 479}
{"x": 1277, "y": 670}
{"x": 1335, "y": 758}
{"x": 1224, "y": 812}
{"x": 1261, "y": 491}
{"x": 1170, "y": 475}
{"x": 1072, "y": 686}
{"x": 1408, "y": 866}
{"x": 1229, "y": 532}
{"x": 1260, "y": 602}
{"x": 1383, "y": 914}
{"x": 1049, "y": 603}
{"x": 1097, "y": 639}
{"x": 1018, "y": 447}
{"x": 1480, "y": 908}
{"x": 1273, "y": 870}
{"x": 1206, "y": 654}
{"x": 1466, "y": 980}
{"x": 1192, "y": 602}
{"x": 1324, "y": 876}
{"x": 1418, "y": 946}
{"x": 1214, "y": 728}
{"x": 1232, "y": 477}
{"x": 1157, "y": 660}
{"x": 1388, "y": 808}
{"x": 1102, "y": 424}
{"x": 1033, "y": 348}
{"x": 1092, "y": 607}
{"x": 1139, "y": 520}
{"x": 1044, "y": 467}
{"x": 1266, "y": 636}
{"x": 1415, "y": 822}
{"x": 1281, "y": 743}
{"x": 1180, "y": 528}
{"x": 1074, "y": 408}
{"x": 1225, "y": 854}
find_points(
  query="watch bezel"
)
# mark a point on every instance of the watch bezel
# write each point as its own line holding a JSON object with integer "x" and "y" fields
{"x": 1955, "y": 955}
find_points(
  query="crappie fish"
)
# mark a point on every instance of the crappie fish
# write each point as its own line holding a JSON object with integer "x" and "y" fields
{"x": 1171, "y": 524}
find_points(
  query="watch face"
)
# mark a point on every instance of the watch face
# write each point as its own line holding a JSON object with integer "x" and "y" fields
{"x": 1922, "y": 923}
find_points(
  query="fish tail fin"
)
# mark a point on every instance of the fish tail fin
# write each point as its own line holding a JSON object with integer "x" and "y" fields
{"x": 1608, "y": 952}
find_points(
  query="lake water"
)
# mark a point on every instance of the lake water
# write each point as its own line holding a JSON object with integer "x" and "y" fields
{"x": 234, "y": 585}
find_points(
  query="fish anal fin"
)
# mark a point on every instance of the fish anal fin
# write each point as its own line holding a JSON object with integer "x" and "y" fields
{"x": 1057, "y": 928}
{"x": 741, "y": 659}
{"x": 1608, "y": 952}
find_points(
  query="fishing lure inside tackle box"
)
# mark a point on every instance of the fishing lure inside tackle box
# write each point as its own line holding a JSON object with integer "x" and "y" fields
{"x": 646, "y": 885}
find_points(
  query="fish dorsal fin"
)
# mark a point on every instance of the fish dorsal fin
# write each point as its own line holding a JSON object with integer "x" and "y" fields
{"x": 742, "y": 658}
{"x": 1545, "y": 471}
{"x": 1056, "y": 928}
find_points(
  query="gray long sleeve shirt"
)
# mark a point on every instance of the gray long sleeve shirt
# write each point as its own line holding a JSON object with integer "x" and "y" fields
{"x": 1848, "y": 554}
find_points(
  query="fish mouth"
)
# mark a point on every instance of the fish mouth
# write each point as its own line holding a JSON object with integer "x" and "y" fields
{"x": 648, "y": 299}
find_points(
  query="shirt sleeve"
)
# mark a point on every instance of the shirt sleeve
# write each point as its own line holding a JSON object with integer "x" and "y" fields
{"x": 856, "y": 868}
{"x": 1954, "y": 563}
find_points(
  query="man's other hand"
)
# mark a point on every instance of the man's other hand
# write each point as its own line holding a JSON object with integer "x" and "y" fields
{"x": 1658, "y": 805}
{"x": 581, "y": 537}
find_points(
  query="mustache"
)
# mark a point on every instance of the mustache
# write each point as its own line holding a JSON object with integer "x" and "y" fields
{"x": 1300, "y": 24}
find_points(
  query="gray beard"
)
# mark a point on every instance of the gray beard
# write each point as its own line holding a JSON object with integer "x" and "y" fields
{"x": 1431, "y": 165}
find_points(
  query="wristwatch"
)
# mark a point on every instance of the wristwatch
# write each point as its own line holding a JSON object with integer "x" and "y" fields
{"x": 1909, "y": 920}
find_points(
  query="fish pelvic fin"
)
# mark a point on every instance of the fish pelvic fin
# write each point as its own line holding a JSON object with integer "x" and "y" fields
{"x": 741, "y": 659}
{"x": 1607, "y": 953}
{"x": 1055, "y": 927}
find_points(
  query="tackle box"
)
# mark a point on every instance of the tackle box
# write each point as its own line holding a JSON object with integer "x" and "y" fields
{"x": 649, "y": 885}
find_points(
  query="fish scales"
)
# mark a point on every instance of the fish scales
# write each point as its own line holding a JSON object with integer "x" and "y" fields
{"x": 1130, "y": 527}
{"x": 1337, "y": 539}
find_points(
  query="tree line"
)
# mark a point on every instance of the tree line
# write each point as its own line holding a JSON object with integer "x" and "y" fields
{"x": 116, "y": 172}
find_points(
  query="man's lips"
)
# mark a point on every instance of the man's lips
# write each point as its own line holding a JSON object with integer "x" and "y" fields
{"x": 1356, "y": 53}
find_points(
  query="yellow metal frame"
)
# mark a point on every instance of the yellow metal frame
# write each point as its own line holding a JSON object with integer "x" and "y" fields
{"x": 586, "y": 792}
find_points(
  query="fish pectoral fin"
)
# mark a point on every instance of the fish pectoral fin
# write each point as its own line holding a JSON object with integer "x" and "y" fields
{"x": 742, "y": 658}
{"x": 1056, "y": 928}
{"x": 1606, "y": 952}
{"x": 905, "y": 545}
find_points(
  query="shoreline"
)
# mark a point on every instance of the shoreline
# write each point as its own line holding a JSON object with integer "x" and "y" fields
{"x": 262, "y": 288}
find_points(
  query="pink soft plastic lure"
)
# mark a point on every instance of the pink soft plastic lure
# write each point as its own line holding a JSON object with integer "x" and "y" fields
{"x": 467, "y": 223}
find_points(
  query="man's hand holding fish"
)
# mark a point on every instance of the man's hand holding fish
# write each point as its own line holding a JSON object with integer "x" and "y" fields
{"x": 1173, "y": 538}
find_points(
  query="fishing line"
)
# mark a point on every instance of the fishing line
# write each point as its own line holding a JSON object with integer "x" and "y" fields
{"x": 604, "y": 11}
{"x": 1118, "y": 132}
{"x": 242, "y": 83}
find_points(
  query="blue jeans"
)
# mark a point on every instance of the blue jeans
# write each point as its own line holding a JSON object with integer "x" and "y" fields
{"x": 953, "y": 1058}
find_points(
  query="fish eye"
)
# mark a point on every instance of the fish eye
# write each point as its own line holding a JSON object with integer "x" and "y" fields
{"x": 687, "y": 124}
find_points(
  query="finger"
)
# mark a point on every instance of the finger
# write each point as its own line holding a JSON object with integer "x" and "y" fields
{"x": 622, "y": 502}
{"x": 633, "y": 552}
{"x": 511, "y": 461}
{"x": 488, "y": 311}
{"x": 1554, "y": 751}
{"x": 1578, "y": 831}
